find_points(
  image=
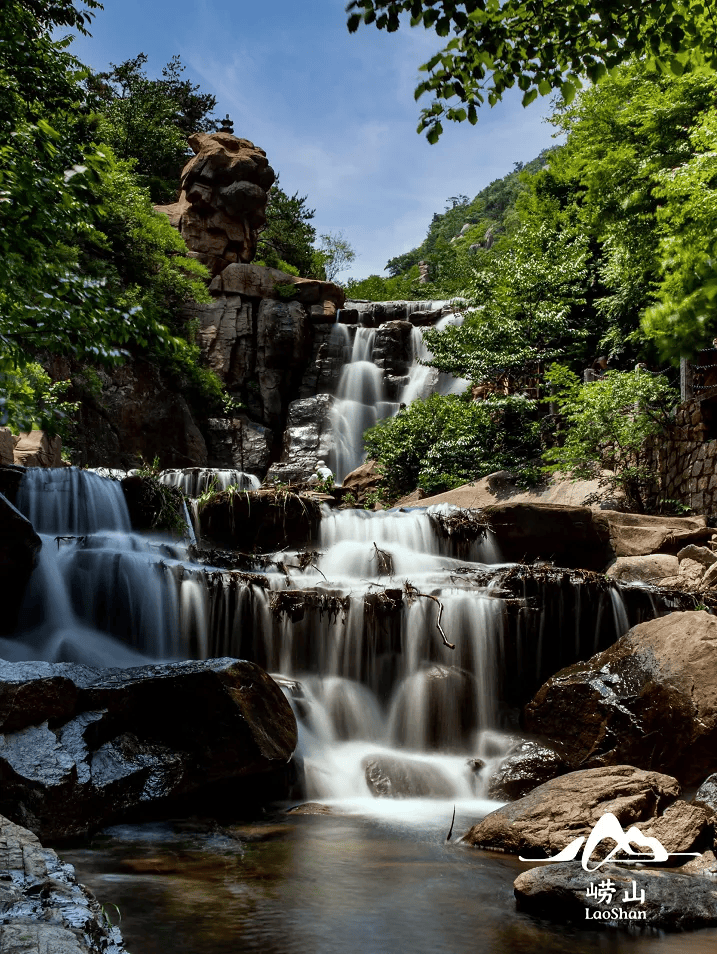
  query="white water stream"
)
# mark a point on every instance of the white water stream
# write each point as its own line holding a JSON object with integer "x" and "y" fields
{"x": 384, "y": 707}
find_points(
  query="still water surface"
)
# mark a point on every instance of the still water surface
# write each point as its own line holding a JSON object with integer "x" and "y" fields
{"x": 330, "y": 884}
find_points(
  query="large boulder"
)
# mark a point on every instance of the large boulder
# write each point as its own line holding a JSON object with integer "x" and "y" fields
{"x": 261, "y": 520}
{"x": 307, "y": 440}
{"x": 567, "y": 535}
{"x": 634, "y": 534}
{"x": 82, "y": 747}
{"x": 282, "y": 343}
{"x": 649, "y": 700}
{"x": 390, "y": 776}
{"x": 527, "y": 765}
{"x": 222, "y": 205}
{"x": 44, "y": 909}
{"x": 258, "y": 281}
{"x": 19, "y": 546}
{"x": 239, "y": 443}
{"x": 554, "y": 814}
{"x": 656, "y": 900}
{"x": 38, "y": 449}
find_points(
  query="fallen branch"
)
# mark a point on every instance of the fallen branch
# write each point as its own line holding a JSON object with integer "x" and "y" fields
{"x": 385, "y": 562}
{"x": 411, "y": 591}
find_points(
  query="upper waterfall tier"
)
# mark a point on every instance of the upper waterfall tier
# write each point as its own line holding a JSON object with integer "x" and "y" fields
{"x": 66, "y": 500}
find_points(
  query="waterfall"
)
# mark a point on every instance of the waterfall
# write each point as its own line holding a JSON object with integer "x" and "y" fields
{"x": 361, "y": 398}
{"x": 194, "y": 481}
{"x": 356, "y": 630}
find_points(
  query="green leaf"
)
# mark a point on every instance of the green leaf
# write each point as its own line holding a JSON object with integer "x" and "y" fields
{"x": 529, "y": 97}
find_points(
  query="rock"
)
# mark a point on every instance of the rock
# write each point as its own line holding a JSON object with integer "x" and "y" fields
{"x": 644, "y": 569}
{"x": 530, "y": 531}
{"x": 649, "y": 700}
{"x": 527, "y": 765}
{"x": 672, "y": 902}
{"x": 681, "y": 827}
{"x": 226, "y": 338}
{"x": 702, "y": 555}
{"x": 705, "y": 865}
{"x": 258, "y": 281}
{"x": 709, "y": 580}
{"x": 307, "y": 439}
{"x": 311, "y": 808}
{"x": 282, "y": 348}
{"x": 137, "y": 415}
{"x": 362, "y": 481}
{"x": 691, "y": 571}
{"x": 38, "y": 449}
{"x": 706, "y": 794}
{"x": 223, "y": 200}
{"x": 398, "y": 777}
{"x": 435, "y": 708}
{"x": 7, "y": 447}
{"x": 634, "y": 534}
{"x": 393, "y": 349}
{"x": 43, "y": 907}
{"x": 240, "y": 444}
{"x": 263, "y": 520}
{"x": 90, "y": 746}
{"x": 19, "y": 546}
{"x": 544, "y": 822}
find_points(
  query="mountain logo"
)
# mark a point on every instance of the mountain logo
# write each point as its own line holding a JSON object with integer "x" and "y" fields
{"x": 608, "y": 828}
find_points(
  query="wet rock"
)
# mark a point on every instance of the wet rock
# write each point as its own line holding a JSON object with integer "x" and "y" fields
{"x": 311, "y": 808}
{"x": 706, "y": 794}
{"x": 567, "y": 535}
{"x": 81, "y": 747}
{"x": 436, "y": 708}
{"x": 672, "y": 902}
{"x": 43, "y": 907}
{"x": 152, "y": 505}
{"x": 222, "y": 204}
{"x": 526, "y": 766}
{"x": 226, "y": 337}
{"x": 239, "y": 443}
{"x": 542, "y": 823}
{"x": 651, "y": 569}
{"x": 282, "y": 349}
{"x": 19, "y": 546}
{"x": 307, "y": 440}
{"x": 649, "y": 700}
{"x": 263, "y": 520}
{"x": 392, "y": 349}
{"x": 396, "y": 777}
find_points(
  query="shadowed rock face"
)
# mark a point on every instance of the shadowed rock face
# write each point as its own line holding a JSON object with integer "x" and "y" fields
{"x": 222, "y": 204}
{"x": 650, "y": 700}
{"x": 19, "y": 546}
{"x": 672, "y": 901}
{"x": 81, "y": 747}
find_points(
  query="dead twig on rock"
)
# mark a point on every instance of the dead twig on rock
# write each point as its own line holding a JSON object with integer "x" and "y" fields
{"x": 385, "y": 562}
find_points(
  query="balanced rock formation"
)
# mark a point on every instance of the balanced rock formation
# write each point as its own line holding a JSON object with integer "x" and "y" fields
{"x": 649, "y": 700}
{"x": 222, "y": 204}
{"x": 81, "y": 747}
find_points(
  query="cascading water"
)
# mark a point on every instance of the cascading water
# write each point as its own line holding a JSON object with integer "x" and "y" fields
{"x": 194, "y": 481}
{"x": 361, "y": 398}
{"x": 358, "y": 627}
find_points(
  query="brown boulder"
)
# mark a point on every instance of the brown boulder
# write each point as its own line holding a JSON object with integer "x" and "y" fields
{"x": 544, "y": 822}
{"x": 633, "y": 534}
{"x": 38, "y": 449}
{"x": 649, "y": 700}
{"x": 644, "y": 569}
{"x": 7, "y": 447}
{"x": 362, "y": 481}
{"x": 258, "y": 281}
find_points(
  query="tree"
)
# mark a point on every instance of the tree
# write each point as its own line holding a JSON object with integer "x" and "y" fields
{"x": 542, "y": 46}
{"x": 149, "y": 120}
{"x": 288, "y": 236}
{"x": 610, "y": 423}
{"x": 333, "y": 255}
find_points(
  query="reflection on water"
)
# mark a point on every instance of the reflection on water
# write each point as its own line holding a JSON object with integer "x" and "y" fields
{"x": 330, "y": 885}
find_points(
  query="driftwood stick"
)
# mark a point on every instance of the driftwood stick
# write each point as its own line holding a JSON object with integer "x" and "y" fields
{"x": 412, "y": 591}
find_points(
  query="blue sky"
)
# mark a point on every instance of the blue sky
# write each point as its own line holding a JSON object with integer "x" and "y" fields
{"x": 334, "y": 112}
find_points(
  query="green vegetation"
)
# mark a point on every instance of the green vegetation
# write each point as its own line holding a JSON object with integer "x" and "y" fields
{"x": 540, "y": 47}
{"x": 608, "y": 423}
{"x": 605, "y": 246}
